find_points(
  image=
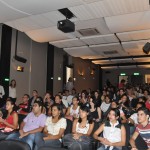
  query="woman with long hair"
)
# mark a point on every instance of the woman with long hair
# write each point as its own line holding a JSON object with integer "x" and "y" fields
{"x": 11, "y": 122}
{"x": 114, "y": 134}
{"x": 81, "y": 131}
{"x": 53, "y": 130}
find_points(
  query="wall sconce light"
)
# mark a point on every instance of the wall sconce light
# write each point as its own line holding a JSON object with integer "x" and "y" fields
{"x": 20, "y": 69}
{"x": 92, "y": 72}
{"x": 81, "y": 73}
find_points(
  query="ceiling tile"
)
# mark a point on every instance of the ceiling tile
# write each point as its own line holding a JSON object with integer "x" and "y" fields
{"x": 100, "y": 39}
{"x": 48, "y": 35}
{"x": 79, "y": 51}
{"x": 68, "y": 43}
{"x": 127, "y": 67}
{"x": 134, "y": 35}
{"x": 129, "y": 22}
{"x": 39, "y": 6}
{"x": 107, "y": 48}
{"x": 35, "y": 22}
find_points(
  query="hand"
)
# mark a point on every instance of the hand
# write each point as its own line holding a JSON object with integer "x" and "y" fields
{"x": 76, "y": 136}
{"x": 106, "y": 142}
{"x": 23, "y": 134}
{"x": 97, "y": 120}
{"x": 2, "y": 120}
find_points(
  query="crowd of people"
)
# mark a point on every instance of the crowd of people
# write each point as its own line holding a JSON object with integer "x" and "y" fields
{"x": 100, "y": 116}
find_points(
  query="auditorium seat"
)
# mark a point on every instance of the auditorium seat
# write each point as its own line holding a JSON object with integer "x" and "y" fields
{"x": 13, "y": 145}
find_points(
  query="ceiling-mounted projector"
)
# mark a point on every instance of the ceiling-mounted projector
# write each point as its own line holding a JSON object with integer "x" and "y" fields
{"x": 66, "y": 26}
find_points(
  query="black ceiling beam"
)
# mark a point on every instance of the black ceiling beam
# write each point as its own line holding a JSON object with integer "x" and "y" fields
{"x": 121, "y": 57}
{"x": 125, "y": 64}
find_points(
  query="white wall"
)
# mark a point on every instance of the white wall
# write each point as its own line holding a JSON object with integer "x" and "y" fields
{"x": 34, "y": 75}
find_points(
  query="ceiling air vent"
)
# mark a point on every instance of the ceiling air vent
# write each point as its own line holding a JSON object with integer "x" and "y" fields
{"x": 88, "y": 32}
{"x": 110, "y": 52}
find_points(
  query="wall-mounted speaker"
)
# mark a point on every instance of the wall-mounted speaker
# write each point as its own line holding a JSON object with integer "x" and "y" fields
{"x": 146, "y": 48}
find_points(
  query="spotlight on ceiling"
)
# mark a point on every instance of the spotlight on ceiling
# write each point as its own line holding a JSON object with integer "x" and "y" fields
{"x": 146, "y": 48}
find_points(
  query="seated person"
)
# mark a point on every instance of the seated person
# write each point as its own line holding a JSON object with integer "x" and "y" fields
{"x": 95, "y": 110}
{"x": 123, "y": 118}
{"x": 33, "y": 123}
{"x": 33, "y": 98}
{"x": 73, "y": 110}
{"x": 105, "y": 105}
{"x": 58, "y": 100}
{"x": 24, "y": 108}
{"x": 81, "y": 131}
{"x": 114, "y": 134}
{"x": 53, "y": 130}
{"x": 11, "y": 122}
{"x": 143, "y": 128}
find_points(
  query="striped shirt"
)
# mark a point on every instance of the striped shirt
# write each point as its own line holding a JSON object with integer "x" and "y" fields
{"x": 144, "y": 132}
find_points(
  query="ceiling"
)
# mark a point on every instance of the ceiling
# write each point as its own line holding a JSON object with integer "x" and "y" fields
{"x": 113, "y": 29}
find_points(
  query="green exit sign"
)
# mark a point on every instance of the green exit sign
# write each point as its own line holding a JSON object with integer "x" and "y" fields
{"x": 136, "y": 74}
{"x": 122, "y": 74}
{"x": 6, "y": 79}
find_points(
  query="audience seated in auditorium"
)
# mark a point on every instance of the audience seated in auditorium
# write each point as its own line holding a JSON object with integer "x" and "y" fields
{"x": 9, "y": 124}
{"x": 53, "y": 130}
{"x": 81, "y": 131}
{"x": 114, "y": 134}
{"x": 73, "y": 111}
{"x": 33, "y": 98}
{"x": 24, "y": 108}
{"x": 95, "y": 111}
{"x": 142, "y": 129}
{"x": 33, "y": 123}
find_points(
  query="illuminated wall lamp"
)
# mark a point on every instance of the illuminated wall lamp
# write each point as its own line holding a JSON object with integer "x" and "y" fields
{"x": 20, "y": 69}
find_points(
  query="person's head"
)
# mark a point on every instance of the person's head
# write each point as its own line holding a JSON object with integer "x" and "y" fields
{"x": 143, "y": 115}
{"x": 123, "y": 81}
{"x": 107, "y": 99}
{"x": 73, "y": 91}
{"x": 66, "y": 92}
{"x": 25, "y": 98}
{"x": 37, "y": 107}
{"x": 84, "y": 113}
{"x": 34, "y": 93}
{"x": 96, "y": 94}
{"x": 140, "y": 104}
{"x": 114, "y": 115}
{"x": 58, "y": 99}
{"x": 92, "y": 103}
{"x": 75, "y": 100}
{"x": 121, "y": 91}
{"x": 13, "y": 83}
{"x": 83, "y": 94}
{"x": 114, "y": 104}
{"x": 145, "y": 92}
{"x": 10, "y": 105}
{"x": 70, "y": 79}
{"x": 142, "y": 99}
{"x": 124, "y": 98}
{"x": 48, "y": 95}
{"x": 57, "y": 111}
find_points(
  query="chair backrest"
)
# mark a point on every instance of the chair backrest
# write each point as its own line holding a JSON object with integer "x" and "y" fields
{"x": 13, "y": 145}
{"x": 69, "y": 127}
{"x": 50, "y": 148}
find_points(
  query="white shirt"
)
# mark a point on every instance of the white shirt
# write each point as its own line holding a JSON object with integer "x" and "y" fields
{"x": 2, "y": 92}
{"x": 12, "y": 92}
{"x": 68, "y": 99}
{"x": 82, "y": 130}
{"x": 54, "y": 128}
{"x": 104, "y": 107}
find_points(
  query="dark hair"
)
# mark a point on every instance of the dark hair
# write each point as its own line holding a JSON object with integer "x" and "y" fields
{"x": 9, "y": 99}
{"x": 59, "y": 107}
{"x": 89, "y": 117}
{"x": 94, "y": 102}
{"x": 76, "y": 98}
{"x": 145, "y": 110}
{"x": 58, "y": 96}
{"x": 27, "y": 95}
{"x": 141, "y": 103}
{"x": 35, "y": 91}
{"x": 11, "y": 82}
{"x": 117, "y": 111}
{"x": 39, "y": 103}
